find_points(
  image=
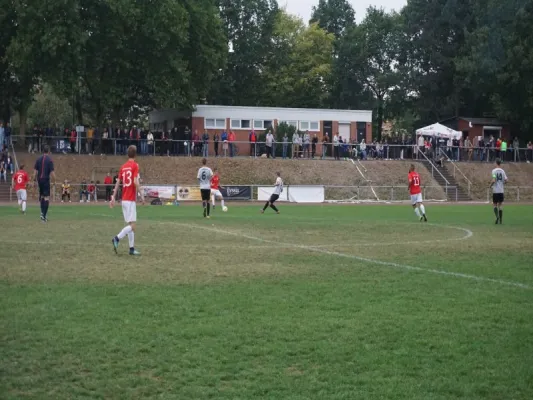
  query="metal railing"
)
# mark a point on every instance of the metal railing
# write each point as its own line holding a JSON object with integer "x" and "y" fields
{"x": 457, "y": 169}
{"x": 386, "y": 151}
{"x": 434, "y": 168}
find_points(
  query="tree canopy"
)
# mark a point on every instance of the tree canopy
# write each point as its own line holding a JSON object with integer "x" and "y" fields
{"x": 427, "y": 62}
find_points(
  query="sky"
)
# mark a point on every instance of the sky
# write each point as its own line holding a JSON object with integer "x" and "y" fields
{"x": 303, "y": 8}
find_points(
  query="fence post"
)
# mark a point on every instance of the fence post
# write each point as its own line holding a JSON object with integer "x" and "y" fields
{"x": 358, "y": 193}
{"x": 518, "y": 193}
{"x": 456, "y": 194}
{"x": 392, "y": 193}
{"x": 488, "y": 195}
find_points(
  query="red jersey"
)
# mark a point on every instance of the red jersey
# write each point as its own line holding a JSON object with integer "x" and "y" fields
{"x": 90, "y": 188}
{"x": 108, "y": 180}
{"x": 128, "y": 172}
{"x": 21, "y": 179}
{"x": 414, "y": 183}
{"x": 215, "y": 181}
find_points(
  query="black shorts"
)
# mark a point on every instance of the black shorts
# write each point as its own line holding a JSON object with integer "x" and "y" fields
{"x": 206, "y": 194}
{"x": 497, "y": 198}
{"x": 44, "y": 188}
{"x": 273, "y": 198}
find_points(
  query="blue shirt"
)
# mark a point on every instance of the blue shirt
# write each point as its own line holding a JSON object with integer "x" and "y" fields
{"x": 224, "y": 136}
{"x": 44, "y": 167}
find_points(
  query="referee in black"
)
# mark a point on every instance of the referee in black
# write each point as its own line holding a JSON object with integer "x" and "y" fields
{"x": 43, "y": 170}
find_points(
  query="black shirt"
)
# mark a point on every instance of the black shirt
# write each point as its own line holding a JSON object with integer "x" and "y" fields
{"x": 44, "y": 167}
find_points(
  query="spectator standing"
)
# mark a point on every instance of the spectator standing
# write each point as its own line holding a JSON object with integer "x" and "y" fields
{"x": 307, "y": 143}
{"x": 108, "y": 182}
{"x": 529, "y": 156}
{"x": 503, "y": 149}
{"x": 196, "y": 144}
{"x": 224, "y": 138}
{"x": 231, "y": 139}
{"x": 187, "y": 142}
{"x": 73, "y": 138}
{"x": 379, "y": 150}
{"x": 295, "y": 144}
{"x": 3, "y": 170}
{"x": 216, "y": 140}
{"x": 498, "y": 147}
{"x": 175, "y": 148}
{"x": 362, "y": 148}
{"x": 144, "y": 143}
{"x": 469, "y": 149}
{"x": 285, "y": 142}
{"x": 269, "y": 144}
{"x": 516, "y": 147}
{"x": 83, "y": 191}
{"x": 314, "y": 142}
{"x": 481, "y": 148}
{"x": 325, "y": 144}
{"x": 150, "y": 142}
{"x": 252, "y": 138}
{"x": 336, "y": 146}
{"x": 89, "y": 142}
{"x": 205, "y": 144}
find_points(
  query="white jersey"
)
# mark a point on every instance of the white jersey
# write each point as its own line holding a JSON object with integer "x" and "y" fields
{"x": 499, "y": 177}
{"x": 204, "y": 177}
{"x": 279, "y": 186}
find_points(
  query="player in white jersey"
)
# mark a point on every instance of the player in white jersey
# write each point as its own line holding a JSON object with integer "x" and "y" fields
{"x": 278, "y": 189}
{"x": 204, "y": 179}
{"x": 499, "y": 179}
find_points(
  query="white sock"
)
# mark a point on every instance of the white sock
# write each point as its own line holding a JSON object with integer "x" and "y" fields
{"x": 20, "y": 202}
{"x": 131, "y": 239}
{"x": 423, "y": 209}
{"x": 417, "y": 212}
{"x": 23, "y": 206}
{"x": 222, "y": 202}
{"x": 124, "y": 232}
{"x": 213, "y": 201}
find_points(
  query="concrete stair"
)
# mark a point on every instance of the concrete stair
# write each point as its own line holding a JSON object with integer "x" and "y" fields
{"x": 456, "y": 193}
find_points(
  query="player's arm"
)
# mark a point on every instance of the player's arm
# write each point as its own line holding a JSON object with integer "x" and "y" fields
{"x": 13, "y": 182}
{"x": 115, "y": 191}
{"x": 138, "y": 187}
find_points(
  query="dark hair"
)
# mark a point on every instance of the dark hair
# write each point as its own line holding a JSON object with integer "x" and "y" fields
{"x": 204, "y": 161}
{"x": 215, "y": 170}
{"x": 46, "y": 149}
{"x": 132, "y": 151}
{"x": 278, "y": 173}
{"x": 21, "y": 166}
{"x": 498, "y": 161}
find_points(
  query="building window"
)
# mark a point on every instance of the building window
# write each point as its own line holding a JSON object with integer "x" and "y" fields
{"x": 309, "y": 126}
{"x": 241, "y": 124}
{"x": 215, "y": 123}
{"x": 262, "y": 124}
{"x": 290, "y": 123}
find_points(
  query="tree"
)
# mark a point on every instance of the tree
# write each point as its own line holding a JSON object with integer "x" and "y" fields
{"x": 48, "y": 109}
{"x": 368, "y": 58}
{"x": 334, "y": 16}
{"x": 248, "y": 27}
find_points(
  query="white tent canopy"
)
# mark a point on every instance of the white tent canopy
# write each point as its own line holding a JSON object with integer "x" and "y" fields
{"x": 440, "y": 131}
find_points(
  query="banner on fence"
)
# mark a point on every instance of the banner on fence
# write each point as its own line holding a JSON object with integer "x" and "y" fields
{"x": 188, "y": 193}
{"x": 264, "y": 193}
{"x": 161, "y": 192}
{"x": 237, "y": 192}
{"x": 306, "y": 194}
{"x": 294, "y": 194}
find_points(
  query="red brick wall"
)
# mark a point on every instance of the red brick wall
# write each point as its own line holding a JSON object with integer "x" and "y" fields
{"x": 477, "y": 130}
{"x": 198, "y": 125}
{"x": 353, "y": 130}
{"x": 368, "y": 132}
{"x": 335, "y": 127}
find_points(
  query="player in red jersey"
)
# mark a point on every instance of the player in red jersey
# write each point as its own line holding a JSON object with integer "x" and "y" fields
{"x": 215, "y": 189}
{"x": 18, "y": 183}
{"x": 129, "y": 177}
{"x": 416, "y": 194}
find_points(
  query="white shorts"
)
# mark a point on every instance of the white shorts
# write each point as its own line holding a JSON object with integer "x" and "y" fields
{"x": 129, "y": 210}
{"x": 22, "y": 195}
{"x": 416, "y": 198}
{"x": 216, "y": 193}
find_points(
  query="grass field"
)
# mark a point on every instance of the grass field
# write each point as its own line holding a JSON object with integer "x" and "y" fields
{"x": 320, "y": 302}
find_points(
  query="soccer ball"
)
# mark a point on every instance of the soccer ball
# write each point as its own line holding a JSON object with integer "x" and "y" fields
{"x": 225, "y": 209}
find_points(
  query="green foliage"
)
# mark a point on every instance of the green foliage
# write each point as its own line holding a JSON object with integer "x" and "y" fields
{"x": 334, "y": 16}
{"x": 49, "y": 110}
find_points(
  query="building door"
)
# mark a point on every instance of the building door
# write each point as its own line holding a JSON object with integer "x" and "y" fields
{"x": 361, "y": 131}
{"x": 328, "y": 128}
{"x": 344, "y": 131}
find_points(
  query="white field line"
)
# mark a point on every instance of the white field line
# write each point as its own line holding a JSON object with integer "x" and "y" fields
{"x": 363, "y": 259}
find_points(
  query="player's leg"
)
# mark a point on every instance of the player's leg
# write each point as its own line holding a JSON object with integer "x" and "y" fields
{"x": 221, "y": 199}
{"x": 213, "y": 199}
{"x": 500, "y": 208}
{"x": 415, "y": 205}
{"x": 495, "y": 207}
{"x": 23, "y": 198}
{"x": 422, "y": 210}
{"x": 272, "y": 201}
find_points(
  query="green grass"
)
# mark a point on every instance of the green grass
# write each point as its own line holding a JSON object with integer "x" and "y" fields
{"x": 249, "y": 306}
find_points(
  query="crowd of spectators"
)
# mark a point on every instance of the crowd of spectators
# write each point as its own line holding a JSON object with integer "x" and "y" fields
{"x": 183, "y": 142}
